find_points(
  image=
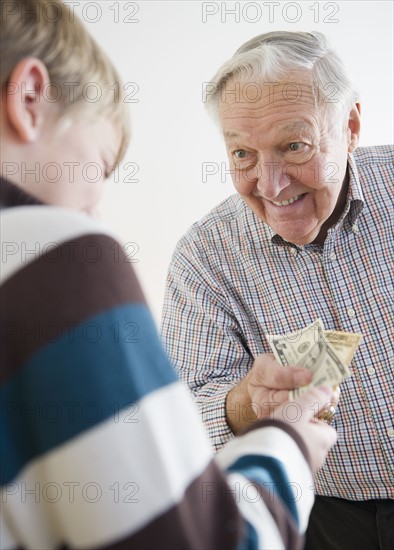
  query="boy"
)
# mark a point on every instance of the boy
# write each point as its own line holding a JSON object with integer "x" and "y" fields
{"x": 101, "y": 446}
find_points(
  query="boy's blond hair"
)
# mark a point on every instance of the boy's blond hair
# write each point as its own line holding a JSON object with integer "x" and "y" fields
{"x": 51, "y": 32}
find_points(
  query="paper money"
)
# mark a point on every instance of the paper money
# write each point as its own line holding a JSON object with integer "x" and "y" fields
{"x": 326, "y": 353}
{"x": 345, "y": 344}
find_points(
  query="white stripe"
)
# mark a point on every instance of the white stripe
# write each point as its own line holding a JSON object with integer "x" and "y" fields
{"x": 276, "y": 443}
{"x": 254, "y": 510}
{"x": 152, "y": 460}
{"x": 29, "y": 231}
{"x": 6, "y": 540}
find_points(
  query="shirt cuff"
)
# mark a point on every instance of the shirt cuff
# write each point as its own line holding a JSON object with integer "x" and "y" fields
{"x": 211, "y": 401}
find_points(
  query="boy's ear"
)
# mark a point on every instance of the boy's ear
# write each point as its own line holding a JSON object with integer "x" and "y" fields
{"x": 25, "y": 105}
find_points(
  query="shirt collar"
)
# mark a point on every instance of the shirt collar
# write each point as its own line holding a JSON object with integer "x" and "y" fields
{"x": 12, "y": 195}
{"x": 355, "y": 198}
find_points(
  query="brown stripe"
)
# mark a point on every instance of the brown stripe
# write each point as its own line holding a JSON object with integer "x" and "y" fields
{"x": 204, "y": 522}
{"x": 200, "y": 521}
{"x": 12, "y": 195}
{"x": 58, "y": 290}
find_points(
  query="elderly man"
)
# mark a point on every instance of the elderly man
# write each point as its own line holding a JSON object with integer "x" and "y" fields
{"x": 309, "y": 234}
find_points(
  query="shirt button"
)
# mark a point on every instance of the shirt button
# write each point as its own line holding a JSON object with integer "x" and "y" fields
{"x": 371, "y": 370}
{"x": 390, "y": 432}
{"x": 293, "y": 251}
{"x": 351, "y": 312}
{"x": 333, "y": 256}
{"x": 355, "y": 228}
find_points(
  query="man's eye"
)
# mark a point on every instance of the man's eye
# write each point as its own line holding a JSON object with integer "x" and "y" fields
{"x": 240, "y": 154}
{"x": 296, "y": 146}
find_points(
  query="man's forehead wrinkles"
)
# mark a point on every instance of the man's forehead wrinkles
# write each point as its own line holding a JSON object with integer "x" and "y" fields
{"x": 255, "y": 109}
{"x": 246, "y": 89}
{"x": 296, "y": 125}
{"x": 284, "y": 124}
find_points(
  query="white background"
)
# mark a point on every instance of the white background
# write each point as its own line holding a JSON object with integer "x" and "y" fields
{"x": 164, "y": 52}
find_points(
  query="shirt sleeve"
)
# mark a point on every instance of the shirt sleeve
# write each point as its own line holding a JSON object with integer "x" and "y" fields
{"x": 101, "y": 444}
{"x": 202, "y": 336}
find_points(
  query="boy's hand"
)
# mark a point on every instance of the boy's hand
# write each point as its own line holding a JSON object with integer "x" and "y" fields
{"x": 317, "y": 435}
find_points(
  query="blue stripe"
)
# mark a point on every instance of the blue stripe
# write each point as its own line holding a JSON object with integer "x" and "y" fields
{"x": 250, "y": 540}
{"x": 270, "y": 473}
{"x": 105, "y": 364}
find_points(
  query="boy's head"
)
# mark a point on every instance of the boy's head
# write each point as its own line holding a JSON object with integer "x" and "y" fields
{"x": 64, "y": 123}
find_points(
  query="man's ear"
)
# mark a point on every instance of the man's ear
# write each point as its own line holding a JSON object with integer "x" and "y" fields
{"x": 354, "y": 126}
{"x": 25, "y": 105}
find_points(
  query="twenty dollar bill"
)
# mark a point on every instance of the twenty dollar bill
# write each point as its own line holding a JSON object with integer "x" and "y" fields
{"x": 326, "y": 353}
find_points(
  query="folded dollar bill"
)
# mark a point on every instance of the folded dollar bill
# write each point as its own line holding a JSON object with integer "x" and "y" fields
{"x": 326, "y": 353}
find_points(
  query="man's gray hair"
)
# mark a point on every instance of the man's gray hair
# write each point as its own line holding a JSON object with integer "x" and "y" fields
{"x": 269, "y": 57}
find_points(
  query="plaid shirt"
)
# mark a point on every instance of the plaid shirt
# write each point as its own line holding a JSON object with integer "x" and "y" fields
{"x": 232, "y": 280}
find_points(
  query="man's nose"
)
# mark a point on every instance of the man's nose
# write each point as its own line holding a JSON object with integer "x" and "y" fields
{"x": 271, "y": 179}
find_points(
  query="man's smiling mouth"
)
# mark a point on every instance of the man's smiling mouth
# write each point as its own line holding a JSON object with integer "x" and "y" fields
{"x": 288, "y": 201}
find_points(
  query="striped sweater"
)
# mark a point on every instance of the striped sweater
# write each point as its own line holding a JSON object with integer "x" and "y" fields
{"x": 101, "y": 446}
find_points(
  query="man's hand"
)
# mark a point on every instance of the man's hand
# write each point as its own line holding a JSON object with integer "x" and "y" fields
{"x": 317, "y": 435}
{"x": 265, "y": 387}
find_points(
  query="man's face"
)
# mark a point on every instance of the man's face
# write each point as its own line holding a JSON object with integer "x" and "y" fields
{"x": 288, "y": 164}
